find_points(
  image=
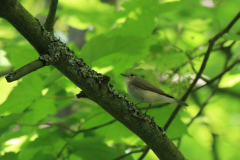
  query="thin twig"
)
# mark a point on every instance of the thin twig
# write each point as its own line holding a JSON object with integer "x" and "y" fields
{"x": 95, "y": 115}
{"x": 199, "y": 113}
{"x": 227, "y": 50}
{"x": 179, "y": 31}
{"x": 203, "y": 105}
{"x": 214, "y": 147}
{"x": 125, "y": 146}
{"x": 60, "y": 152}
{"x": 229, "y": 92}
{"x": 179, "y": 141}
{"x": 193, "y": 68}
{"x": 30, "y": 67}
{"x": 125, "y": 155}
{"x": 144, "y": 153}
{"x": 51, "y": 16}
{"x": 185, "y": 63}
{"x": 84, "y": 130}
{"x": 96, "y": 127}
{"x": 218, "y": 76}
{"x": 211, "y": 44}
{"x": 49, "y": 124}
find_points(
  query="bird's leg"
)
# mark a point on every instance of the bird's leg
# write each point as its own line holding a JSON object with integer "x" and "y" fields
{"x": 147, "y": 109}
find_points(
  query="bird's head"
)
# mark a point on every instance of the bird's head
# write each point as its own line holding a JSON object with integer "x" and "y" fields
{"x": 130, "y": 76}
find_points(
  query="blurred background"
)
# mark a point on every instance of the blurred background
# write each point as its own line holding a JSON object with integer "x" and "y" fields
{"x": 164, "y": 41}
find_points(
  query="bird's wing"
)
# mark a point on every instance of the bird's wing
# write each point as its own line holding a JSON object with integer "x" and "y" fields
{"x": 144, "y": 84}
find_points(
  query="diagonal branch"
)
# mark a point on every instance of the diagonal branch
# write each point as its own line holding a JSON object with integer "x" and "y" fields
{"x": 210, "y": 96}
{"x": 125, "y": 155}
{"x": 211, "y": 44}
{"x": 219, "y": 76}
{"x": 96, "y": 127}
{"x": 146, "y": 150}
{"x": 203, "y": 105}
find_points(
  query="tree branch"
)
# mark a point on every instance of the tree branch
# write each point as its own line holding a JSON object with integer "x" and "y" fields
{"x": 125, "y": 155}
{"x": 146, "y": 150}
{"x": 81, "y": 95}
{"x": 219, "y": 76}
{"x": 50, "y": 124}
{"x": 206, "y": 102}
{"x": 96, "y": 127}
{"x": 185, "y": 63}
{"x": 211, "y": 44}
{"x": 203, "y": 106}
{"x": 51, "y": 16}
{"x": 30, "y": 67}
{"x": 214, "y": 147}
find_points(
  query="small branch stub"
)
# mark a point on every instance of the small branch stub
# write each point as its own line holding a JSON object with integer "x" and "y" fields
{"x": 30, "y": 67}
{"x": 81, "y": 95}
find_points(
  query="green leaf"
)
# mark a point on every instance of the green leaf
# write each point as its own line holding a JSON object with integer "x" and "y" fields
{"x": 193, "y": 151}
{"x": 23, "y": 95}
{"x": 116, "y": 129}
{"x": 166, "y": 61}
{"x": 169, "y": 6}
{"x": 231, "y": 36}
{"x": 151, "y": 6}
{"x": 48, "y": 143}
{"x": 20, "y": 53}
{"x": 27, "y": 154}
{"x": 101, "y": 46}
{"x": 142, "y": 26}
{"x": 9, "y": 156}
{"x": 39, "y": 110}
{"x": 94, "y": 148}
{"x": 177, "y": 127}
{"x": 53, "y": 76}
{"x": 40, "y": 155}
{"x": 215, "y": 64}
{"x": 6, "y": 121}
{"x": 84, "y": 13}
{"x": 119, "y": 63}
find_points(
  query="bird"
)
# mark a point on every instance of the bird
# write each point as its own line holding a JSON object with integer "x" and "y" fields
{"x": 144, "y": 91}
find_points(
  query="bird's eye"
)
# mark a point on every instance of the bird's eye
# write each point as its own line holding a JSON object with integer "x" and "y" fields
{"x": 132, "y": 75}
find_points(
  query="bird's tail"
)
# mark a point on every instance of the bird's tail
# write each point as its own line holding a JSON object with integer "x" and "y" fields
{"x": 181, "y": 102}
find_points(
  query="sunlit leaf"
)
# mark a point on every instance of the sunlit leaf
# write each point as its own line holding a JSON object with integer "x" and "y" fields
{"x": 23, "y": 95}
{"x": 94, "y": 148}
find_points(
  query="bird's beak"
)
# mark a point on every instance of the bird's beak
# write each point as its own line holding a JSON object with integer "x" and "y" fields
{"x": 124, "y": 75}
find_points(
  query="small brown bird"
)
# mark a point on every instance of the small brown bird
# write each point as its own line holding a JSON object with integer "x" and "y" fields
{"x": 143, "y": 91}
